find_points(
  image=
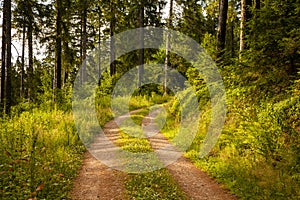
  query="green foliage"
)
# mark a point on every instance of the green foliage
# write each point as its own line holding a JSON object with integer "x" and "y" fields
{"x": 257, "y": 154}
{"x": 40, "y": 154}
{"x": 275, "y": 31}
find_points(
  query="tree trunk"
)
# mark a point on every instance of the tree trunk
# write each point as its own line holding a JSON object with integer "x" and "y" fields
{"x": 68, "y": 59}
{"x": 221, "y": 32}
{"x": 112, "y": 42}
{"x": 245, "y": 16}
{"x": 3, "y": 57}
{"x": 257, "y": 4}
{"x": 58, "y": 48}
{"x": 30, "y": 58}
{"x": 23, "y": 61}
{"x": 84, "y": 40}
{"x": 99, "y": 47}
{"x": 8, "y": 58}
{"x": 168, "y": 47}
{"x": 141, "y": 47}
{"x": 232, "y": 38}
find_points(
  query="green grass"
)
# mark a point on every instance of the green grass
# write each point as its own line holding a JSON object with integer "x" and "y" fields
{"x": 40, "y": 153}
{"x": 157, "y": 184}
{"x": 153, "y": 185}
{"x": 257, "y": 155}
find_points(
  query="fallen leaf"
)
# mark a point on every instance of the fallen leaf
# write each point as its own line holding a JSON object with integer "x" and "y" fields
{"x": 40, "y": 187}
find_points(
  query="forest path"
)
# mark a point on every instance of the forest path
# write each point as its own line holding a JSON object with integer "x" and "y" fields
{"x": 97, "y": 181}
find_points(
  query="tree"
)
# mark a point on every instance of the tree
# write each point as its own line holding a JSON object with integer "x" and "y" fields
{"x": 168, "y": 46}
{"x": 192, "y": 21}
{"x": 8, "y": 58}
{"x": 141, "y": 42}
{"x": 274, "y": 36}
{"x": 6, "y": 89}
{"x": 58, "y": 46}
{"x": 30, "y": 48}
{"x": 22, "y": 92}
{"x": 245, "y": 17}
{"x": 84, "y": 38}
{"x": 221, "y": 32}
{"x": 3, "y": 55}
{"x": 112, "y": 42}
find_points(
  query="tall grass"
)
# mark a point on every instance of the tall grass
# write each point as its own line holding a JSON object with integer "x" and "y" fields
{"x": 257, "y": 155}
{"x": 40, "y": 153}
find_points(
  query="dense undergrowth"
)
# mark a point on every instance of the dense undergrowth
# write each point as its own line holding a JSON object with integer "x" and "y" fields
{"x": 40, "y": 148}
{"x": 257, "y": 155}
{"x": 40, "y": 154}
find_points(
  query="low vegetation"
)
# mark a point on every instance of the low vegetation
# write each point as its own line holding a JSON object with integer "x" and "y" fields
{"x": 157, "y": 184}
{"x": 257, "y": 154}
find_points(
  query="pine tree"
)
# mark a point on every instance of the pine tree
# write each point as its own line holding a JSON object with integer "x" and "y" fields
{"x": 141, "y": 42}
{"x": 221, "y": 32}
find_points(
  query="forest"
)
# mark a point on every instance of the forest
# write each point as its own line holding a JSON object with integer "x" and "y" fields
{"x": 48, "y": 47}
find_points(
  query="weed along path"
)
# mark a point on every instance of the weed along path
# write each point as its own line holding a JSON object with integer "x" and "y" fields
{"x": 181, "y": 179}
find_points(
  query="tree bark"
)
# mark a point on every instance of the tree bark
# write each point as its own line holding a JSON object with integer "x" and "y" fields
{"x": 112, "y": 42}
{"x": 141, "y": 47}
{"x": 99, "y": 47}
{"x": 58, "y": 49}
{"x": 30, "y": 55}
{"x": 168, "y": 47}
{"x": 84, "y": 40}
{"x": 3, "y": 56}
{"x": 221, "y": 32}
{"x": 67, "y": 55}
{"x": 22, "y": 93}
{"x": 245, "y": 17}
{"x": 8, "y": 58}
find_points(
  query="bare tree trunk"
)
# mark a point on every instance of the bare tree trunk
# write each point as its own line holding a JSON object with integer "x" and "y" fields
{"x": 245, "y": 16}
{"x": 8, "y": 58}
{"x": 99, "y": 48}
{"x": 3, "y": 57}
{"x": 112, "y": 42}
{"x": 58, "y": 48}
{"x": 232, "y": 38}
{"x": 221, "y": 32}
{"x": 30, "y": 59}
{"x": 141, "y": 41}
{"x": 168, "y": 47}
{"x": 67, "y": 53}
{"x": 84, "y": 41}
{"x": 23, "y": 62}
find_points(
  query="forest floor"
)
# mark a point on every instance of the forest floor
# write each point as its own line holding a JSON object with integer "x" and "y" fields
{"x": 97, "y": 181}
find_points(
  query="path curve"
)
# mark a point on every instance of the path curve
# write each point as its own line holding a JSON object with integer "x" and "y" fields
{"x": 97, "y": 181}
{"x": 194, "y": 183}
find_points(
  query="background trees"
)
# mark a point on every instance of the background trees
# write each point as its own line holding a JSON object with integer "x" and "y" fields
{"x": 256, "y": 46}
{"x": 251, "y": 27}
{"x": 247, "y": 33}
